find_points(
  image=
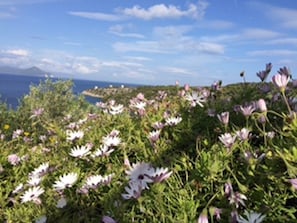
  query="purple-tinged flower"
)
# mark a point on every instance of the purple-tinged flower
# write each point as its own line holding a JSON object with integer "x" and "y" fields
{"x": 214, "y": 211}
{"x": 228, "y": 189}
{"x": 111, "y": 141}
{"x": 158, "y": 125}
{"x": 294, "y": 183}
{"x": 203, "y": 217}
{"x": 107, "y": 219}
{"x": 262, "y": 75}
{"x": 224, "y": 118}
{"x": 285, "y": 71}
{"x": 116, "y": 109}
{"x": 247, "y": 110}
{"x": 65, "y": 181}
{"x": 80, "y": 151}
{"x": 142, "y": 173}
{"x": 104, "y": 150}
{"x": 237, "y": 198}
{"x": 41, "y": 219}
{"x": 243, "y": 134}
{"x": 186, "y": 87}
{"x": 161, "y": 174}
{"x": 154, "y": 136}
{"x": 261, "y": 104}
{"x": 17, "y": 133}
{"x": 37, "y": 112}
{"x": 265, "y": 88}
{"x": 227, "y": 139}
{"x": 234, "y": 216}
{"x": 73, "y": 135}
{"x": 133, "y": 190}
{"x": 281, "y": 81}
{"x": 14, "y": 159}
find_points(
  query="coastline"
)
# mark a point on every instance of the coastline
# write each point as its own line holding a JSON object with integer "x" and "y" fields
{"x": 90, "y": 94}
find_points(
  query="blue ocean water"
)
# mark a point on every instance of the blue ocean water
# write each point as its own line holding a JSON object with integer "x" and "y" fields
{"x": 14, "y": 87}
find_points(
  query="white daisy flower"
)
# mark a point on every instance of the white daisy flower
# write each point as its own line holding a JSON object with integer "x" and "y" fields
{"x": 94, "y": 181}
{"x": 18, "y": 189}
{"x": 41, "y": 170}
{"x": 103, "y": 151}
{"x": 61, "y": 202}
{"x": 172, "y": 121}
{"x": 142, "y": 173}
{"x": 133, "y": 190}
{"x": 32, "y": 194}
{"x": 111, "y": 140}
{"x": 195, "y": 98}
{"x": 161, "y": 174}
{"x": 140, "y": 105}
{"x": 116, "y": 109}
{"x": 80, "y": 151}
{"x": 34, "y": 180}
{"x": 65, "y": 181}
{"x": 72, "y": 135}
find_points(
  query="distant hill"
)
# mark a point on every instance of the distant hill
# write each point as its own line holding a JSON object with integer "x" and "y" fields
{"x": 32, "y": 71}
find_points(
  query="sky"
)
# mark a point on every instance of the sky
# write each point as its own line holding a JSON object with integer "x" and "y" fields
{"x": 154, "y": 42}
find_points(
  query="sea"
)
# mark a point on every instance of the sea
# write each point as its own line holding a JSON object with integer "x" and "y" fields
{"x": 14, "y": 87}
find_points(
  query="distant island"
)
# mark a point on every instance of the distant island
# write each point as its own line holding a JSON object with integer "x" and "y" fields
{"x": 32, "y": 71}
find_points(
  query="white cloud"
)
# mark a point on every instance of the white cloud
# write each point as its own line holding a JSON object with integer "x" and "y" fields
{"x": 283, "y": 41}
{"x": 119, "y": 30}
{"x": 256, "y": 33}
{"x": 22, "y": 2}
{"x": 272, "y": 53}
{"x": 139, "y": 46}
{"x": 162, "y": 11}
{"x": 97, "y": 16}
{"x": 177, "y": 70}
{"x": 17, "y": 52}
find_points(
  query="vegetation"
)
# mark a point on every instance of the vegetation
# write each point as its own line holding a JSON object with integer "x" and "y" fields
{"x": 156, "y": 154}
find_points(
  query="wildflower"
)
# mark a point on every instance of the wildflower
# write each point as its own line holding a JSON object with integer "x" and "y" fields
{"x": 213, "y": 211}
{"x": 203, "y": 217}
{"x": 72, "y": 135}
{"x": 247, "y": 110}
{"x": 142, "y": 173}
{"x": 285, "y": 71}
{"x": 107, "y": 219}
{"x": 62, "y": 202}
{"x": 41, "y": 170}
{"x": 158, "y": 125}
{"x": 116, "y": 109}
{"x": 37, "y": 112}
{"x": 80, "y": 151}
{"x": 243, "y": 134}
{"x": 32, "y": 194}
{"x": 186, "y": 87}
{"x": 251, "y": 217}
{"x": 195, "y": 99}
{"x": 104, "y": 150}
{"x": 161, "y": 174}
{"x": 17, "y": 133}
{"x": 261, "y": 104}
{"x": 294, "y": 183}
{"x": 281, "y": 81}
{"x": 94, "y": 181}
{"x": 111, "y": 141}
{"x": 18, "y": 189}
{"x": 14, "y": 159}
{"x": 224, "y": 118}
{"x": 227, "y": 139}
{"x": 237, "y": 198}
{"x": 154, "y": 136}
{"x": 228, "y": 189}
{"x": 42, "y": 219}
{"x": 172, "y": 121}
{"x": 34, "y": 180}
{"x": 211, "y": 112}
{"x": 133, "y": 191}
{"x": 65, "y": 181}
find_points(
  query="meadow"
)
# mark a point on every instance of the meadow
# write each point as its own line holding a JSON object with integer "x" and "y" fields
{"x": 171, "y": 154}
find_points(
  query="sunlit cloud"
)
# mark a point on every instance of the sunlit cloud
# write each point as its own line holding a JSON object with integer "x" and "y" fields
{"x": 119, "y": 30}
{"x": 162, "y": 11}
{"x": 139, "y": 46}
{"x": 17, "y": 52}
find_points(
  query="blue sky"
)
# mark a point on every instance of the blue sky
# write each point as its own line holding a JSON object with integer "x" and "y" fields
{"x": 150, "y": 42}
